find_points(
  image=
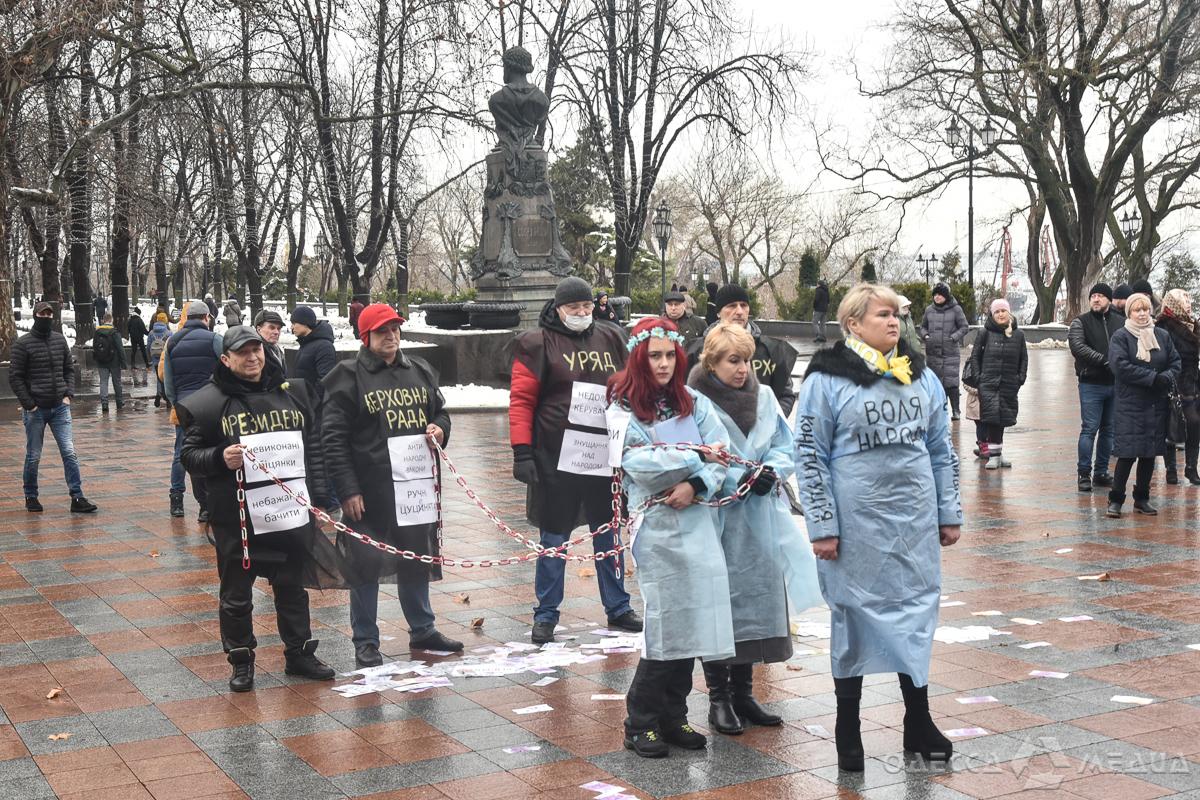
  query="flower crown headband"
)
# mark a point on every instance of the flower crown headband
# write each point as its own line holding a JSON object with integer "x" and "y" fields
{"x": 657, "y": 333}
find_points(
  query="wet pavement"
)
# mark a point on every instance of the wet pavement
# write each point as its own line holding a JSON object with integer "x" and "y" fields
{"x": 118, "y": 610}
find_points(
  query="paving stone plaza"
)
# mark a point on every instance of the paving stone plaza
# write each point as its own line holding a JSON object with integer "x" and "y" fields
{"x": 118, "y": 610}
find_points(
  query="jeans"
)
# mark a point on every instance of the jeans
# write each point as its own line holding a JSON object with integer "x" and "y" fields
{"x": 113, "y": 372}
{"x": 818, "y": 324}
{"x": 1096, "y": 403}
{"x": 59, "y": 420}
{"x": 414, "y": 602}
{"x": 550, "y": 572}
{"x": 199, "y": 487}
{"x": 236, "y": 608}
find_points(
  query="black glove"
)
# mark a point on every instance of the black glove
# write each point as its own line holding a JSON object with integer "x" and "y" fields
{"x": 765, "y": 482}
{"x": 1163, "y": 381}
{"x": 524, "y": 469}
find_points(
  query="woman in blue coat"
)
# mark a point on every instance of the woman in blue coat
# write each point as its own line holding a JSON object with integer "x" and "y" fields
{"x": 878, "y": 481}
{"x": 680, "y": 564}
{"x": 770, "y": 563}
{"x": 1145, "y": 365}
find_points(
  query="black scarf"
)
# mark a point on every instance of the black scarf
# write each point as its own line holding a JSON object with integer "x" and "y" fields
{"x": 740, "y": 404}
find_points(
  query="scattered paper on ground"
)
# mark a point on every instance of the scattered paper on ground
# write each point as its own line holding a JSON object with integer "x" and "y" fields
{"x": 952, "y": 603}
{"x": 1031, "y": 645}
{"x": 1024, "y": 621}
{"x": 1127, "y": 698}
{"x": 1103, "y": 576}
{"x": 1077, "y": 618}
{"x": 1063, "y": 550}
{"x": 608, "y": 697}
{"x": 544, "y": 681}
{"x": 1041, "y": 673}
{"x": 991, "y": 613}
{"x": 962, "y": 733}
{"x": 817, "y": 730}
{"x": 971, "y": 633}
{"x": 539, "y": 708}
{"x": 523, "y": 748}
{"x": 807, "y": 628}
{"x": 970, "y": 701}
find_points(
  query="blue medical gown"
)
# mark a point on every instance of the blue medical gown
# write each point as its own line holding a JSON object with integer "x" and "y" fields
{"x": 876, "y": 468}
{"x": 765, "y": 551}
{"x": 680, "y": 564}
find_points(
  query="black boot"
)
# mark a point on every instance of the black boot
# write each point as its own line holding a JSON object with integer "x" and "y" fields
{"x": 846, "y": 733}
{"x": 920, "y": 734}
{"x": 720, "y": 701}
{"x": 242, "y": 659}
{"x": 306, "y": 664}
{"x": 1192, "y": 476}
{"x": 1085, "y": 482}
{"x": 741, "y": 682}
{"x": 176, "y": 504}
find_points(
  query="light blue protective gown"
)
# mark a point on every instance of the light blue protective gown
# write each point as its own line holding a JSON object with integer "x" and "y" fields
{"x": 876, "y": 468}
{"x": 764, "y": 548}
{"x": 680, "y": 564}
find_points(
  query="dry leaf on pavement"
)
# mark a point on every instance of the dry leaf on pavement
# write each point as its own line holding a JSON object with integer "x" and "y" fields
{"x": 56, "y": 737}
{"x": 587, "y": 573}
{"x": 53, "y": 693}
{"x": 477, "y": 623}
{"x": 464, "y": 599}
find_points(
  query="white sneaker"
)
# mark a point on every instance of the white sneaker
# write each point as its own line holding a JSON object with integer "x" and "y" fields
{"x": 995, "y": 462}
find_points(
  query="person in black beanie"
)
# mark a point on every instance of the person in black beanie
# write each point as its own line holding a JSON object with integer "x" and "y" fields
{"x": 1089, "y": 337}
{"x": 710, "y": 311}
{"x": 773, "y": 358}
{"x": 1120, "y": 295}
{"x": 556, "y": 419}
{"x": 1142, "y": 286}
{"x": 943, "y": 328}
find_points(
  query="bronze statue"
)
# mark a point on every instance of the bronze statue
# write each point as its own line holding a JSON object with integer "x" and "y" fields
{"x": 519, "y": 107}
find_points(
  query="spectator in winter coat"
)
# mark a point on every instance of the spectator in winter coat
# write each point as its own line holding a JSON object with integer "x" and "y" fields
{"x": 1121, "y": 296}
{"x": 1142, "y": 286}
{"x": 190, "y": 356}
{"x": 1145, "y": 365}
{"x": 136, "y": 328}
{"x": 160, "y": 333}
{"x": 356, "y": 308}
{"x": 317, "y": 354}
{"x": 908, "y": 328}
{"x": 269, "y": 324}
{"x": 108, "y": 350}
{"x": 688, "y": 301}
{"x": 1089, "y": 336}
{"x": 999, "y": 362}
{"x": 943, "y": 328}
{"x": 212, "y": 310}
{"x": 689, "y": 325}
{"x": 820, "y": 307}
{"x": 41, "y": 374}
{"x": 1176, "y": 319}
{"x": 604, "y": 309}
{"x": 101, "y": 305}
{"x": 555, "y": 418}
{"x": 710, "y": 310}
{"x": 233, "y": 313}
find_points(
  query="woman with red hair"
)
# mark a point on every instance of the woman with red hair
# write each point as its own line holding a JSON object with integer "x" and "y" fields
{"x": 681, "y": 566}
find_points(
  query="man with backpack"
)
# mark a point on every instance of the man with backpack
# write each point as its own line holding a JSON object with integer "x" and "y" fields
{"x": 192, "y": 354}
{"x": 160, "y": 333}
{"x": 108, "y": 350}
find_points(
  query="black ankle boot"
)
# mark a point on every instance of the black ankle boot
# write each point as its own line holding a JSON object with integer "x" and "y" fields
{"x": 721, "y": 714}
{"x": 242, "y": 659}
{"x": 846, "y": 732}
{"x": 920, "y": 734}
{"x": 1192, "y": 476}
{"x": 741, "y": 684}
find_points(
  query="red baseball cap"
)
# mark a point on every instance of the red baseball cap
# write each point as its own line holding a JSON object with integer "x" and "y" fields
{"x": 374, "y": 317}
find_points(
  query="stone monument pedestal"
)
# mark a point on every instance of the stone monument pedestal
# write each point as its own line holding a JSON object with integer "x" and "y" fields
{"x": 531, "y": 289}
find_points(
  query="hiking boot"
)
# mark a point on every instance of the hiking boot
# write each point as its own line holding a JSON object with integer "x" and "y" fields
{"x": 176, "y": 504}
{"x": 647, "y": 745}
{"x": 81, "y": 505}
{"x": 542, "y": 632}
{"x": 685, "y": 736}
{"x": 1085, "y": 483}
{"x": 32, "y": 504}
{"x": 306, "y": 665}
{"x": 436, "y": 641}
{"x": 629, "y": 621}
{"x": 104, "y": 408}
{"x": 242, "y": 659}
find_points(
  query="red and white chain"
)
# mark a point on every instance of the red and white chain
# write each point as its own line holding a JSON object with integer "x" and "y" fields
{"x": 536, "y": 548}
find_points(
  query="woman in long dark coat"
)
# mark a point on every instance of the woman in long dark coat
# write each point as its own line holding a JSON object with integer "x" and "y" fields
{"x": 943, "y": 328}
{"x": 997, "y": 370}
{"x": 1145, "y": 366}
{"x": 1176, "y": 319}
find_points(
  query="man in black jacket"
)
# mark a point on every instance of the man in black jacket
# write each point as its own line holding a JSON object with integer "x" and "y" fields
{"x": 269, "y": 324}
{"x": 317, "y": 354}
{"x": 247, "y": 405}
{"x": 41, "y": 375}
{"x": 773, "y": 358}
{"x": 1088, "y": 338}
{"x": 379, "y": 410}
{"x": 820, "y": 308}
{"x": 137, "y": 329}
{"x": 691, "y": 326}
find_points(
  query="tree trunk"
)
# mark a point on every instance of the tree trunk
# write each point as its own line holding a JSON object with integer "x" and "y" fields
{"x": 80, "y": 221}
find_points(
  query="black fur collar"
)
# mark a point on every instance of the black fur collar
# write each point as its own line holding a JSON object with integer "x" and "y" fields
{"x": 843, "y": 362}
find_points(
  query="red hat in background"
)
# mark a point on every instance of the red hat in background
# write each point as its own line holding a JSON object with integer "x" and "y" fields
{"x": 375, "y": 316}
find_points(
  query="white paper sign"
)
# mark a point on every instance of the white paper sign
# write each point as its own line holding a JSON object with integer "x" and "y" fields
{"x": 416, "y": 502}
{"x": 281, "y": 452}
{"x": 587, "y": 404}
{"x": 617, "y": 420}
{"x": 584, "y": 453}
{"x": 410, "y": 456}
{"x": 271, "y": 510}
{"x": 678, "y": 430}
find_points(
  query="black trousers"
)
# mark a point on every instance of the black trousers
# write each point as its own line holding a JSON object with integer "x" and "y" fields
{"x": 236, "y": 608}
{"x": 992, "y": 434}
{"x": 953, "y": 393}
{"x": 657, "y": 697}
{"x": 1141, "y": 485}
{"x": 1191, "y": 450}
{"x": 138, "y": 346}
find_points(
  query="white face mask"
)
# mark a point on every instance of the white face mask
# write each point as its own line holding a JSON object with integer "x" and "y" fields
{"x": 577, "y": 324}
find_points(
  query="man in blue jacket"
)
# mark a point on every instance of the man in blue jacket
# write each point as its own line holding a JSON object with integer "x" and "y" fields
{"x": 192, "y": 354}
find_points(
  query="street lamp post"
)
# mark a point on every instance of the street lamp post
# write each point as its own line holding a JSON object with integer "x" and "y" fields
{"x": 662, "y": 231}
{"x": 1131, "y": 226}
{"x": 163, "y": 231}
{"x": 927, "y": 263}
{"x": 324, "y": 251}
{"x": 987, "y": 138}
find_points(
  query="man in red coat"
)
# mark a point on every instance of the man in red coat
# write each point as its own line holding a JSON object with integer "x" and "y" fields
{"x": 560, "y": 444}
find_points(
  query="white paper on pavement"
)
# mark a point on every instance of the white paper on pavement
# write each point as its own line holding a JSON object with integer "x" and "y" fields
{"x": 584, "y": 453}
{"x": 971, "y": 633}
{"x": 1130, "y": 699}
{"x": 588, "y": 403}
{"x": 538, "y": 709}
{"x": 271, "y": 510}
{"x": 281, "y": 452}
